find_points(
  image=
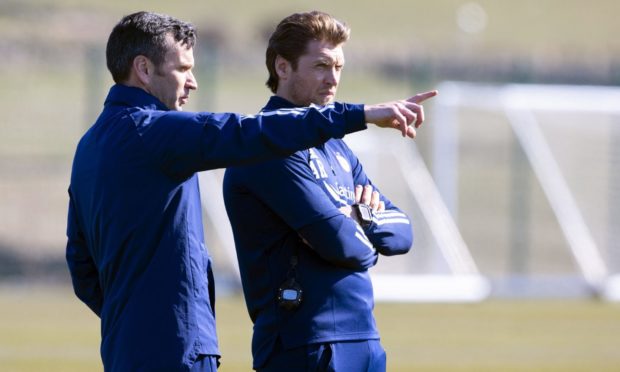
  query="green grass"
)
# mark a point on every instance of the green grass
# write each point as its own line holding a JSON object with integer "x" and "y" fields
{"x": 47, "y": 328}
{"x": 46, "y": 106}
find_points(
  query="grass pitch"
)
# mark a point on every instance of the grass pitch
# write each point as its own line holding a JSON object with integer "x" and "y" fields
{"x": 45, "y": 328}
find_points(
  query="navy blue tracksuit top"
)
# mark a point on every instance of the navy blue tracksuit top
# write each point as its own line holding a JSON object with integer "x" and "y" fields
{"x": 135, "y": 247}
{"x": 286, "y": 207}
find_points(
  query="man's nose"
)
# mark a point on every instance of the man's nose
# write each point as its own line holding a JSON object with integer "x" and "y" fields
{"x": 332, "y": 76}
{"x": 191, "y": 82}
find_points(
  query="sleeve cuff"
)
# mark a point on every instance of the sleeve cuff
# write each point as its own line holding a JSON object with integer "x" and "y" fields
{"x": 355, "y": 118}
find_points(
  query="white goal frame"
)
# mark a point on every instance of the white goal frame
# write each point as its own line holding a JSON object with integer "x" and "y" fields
{"x": 519, "y": 102}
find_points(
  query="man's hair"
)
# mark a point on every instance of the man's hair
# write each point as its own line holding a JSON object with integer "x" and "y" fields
{"x": 292, "y": 35}
{"x": 144, "y": 33}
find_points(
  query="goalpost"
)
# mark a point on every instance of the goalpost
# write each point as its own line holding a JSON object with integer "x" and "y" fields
{"x": 522, "y": 105}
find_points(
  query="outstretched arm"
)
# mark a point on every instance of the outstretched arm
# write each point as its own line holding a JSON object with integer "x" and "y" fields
{"x": 184, "y": 143}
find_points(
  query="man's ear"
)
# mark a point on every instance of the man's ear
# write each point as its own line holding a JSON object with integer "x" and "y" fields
{"x": 283, "y": 67}
{"x": 143, "y": 69}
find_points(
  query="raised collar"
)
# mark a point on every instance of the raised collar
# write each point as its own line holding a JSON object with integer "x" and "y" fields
{"x": 133, "y": 97}
{"x": 277, "y": 102}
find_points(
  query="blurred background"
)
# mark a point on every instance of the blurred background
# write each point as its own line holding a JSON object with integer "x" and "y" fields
{"x": 512, "y": 183}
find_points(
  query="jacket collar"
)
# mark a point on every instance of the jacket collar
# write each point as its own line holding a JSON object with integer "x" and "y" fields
{"x": 277, "y": 102}
{"x": 133, "y": 97}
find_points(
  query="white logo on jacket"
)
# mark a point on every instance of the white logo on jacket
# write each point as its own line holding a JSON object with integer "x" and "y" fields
{"x": 344, "y": 163}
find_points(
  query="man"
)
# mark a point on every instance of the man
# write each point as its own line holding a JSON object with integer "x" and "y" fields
{"x": 308, "y": 227}
{"x": 135, "y": 246}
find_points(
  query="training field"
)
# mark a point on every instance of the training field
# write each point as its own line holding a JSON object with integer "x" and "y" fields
{"x": 44, "y": 328}
{"x": 54, "y": 82}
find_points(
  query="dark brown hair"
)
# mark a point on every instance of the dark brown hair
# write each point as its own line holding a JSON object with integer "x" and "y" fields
{"x": 144, "y": 33}
{"x": 291, "y": 36}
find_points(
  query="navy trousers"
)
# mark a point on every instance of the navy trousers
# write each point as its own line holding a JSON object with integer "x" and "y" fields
{"x": 343, "y": 356}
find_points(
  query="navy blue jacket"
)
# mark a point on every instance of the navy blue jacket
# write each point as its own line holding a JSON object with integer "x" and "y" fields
{"x": 290, "y": 206}
{"x": 135, "y": 247}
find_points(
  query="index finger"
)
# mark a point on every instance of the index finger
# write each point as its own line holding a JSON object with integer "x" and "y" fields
{"x": 421, "y": 97}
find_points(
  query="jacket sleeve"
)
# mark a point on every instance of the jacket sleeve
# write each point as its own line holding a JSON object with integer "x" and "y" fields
{"x": 289, "y": 188}
{"x": 184, "y": 143}
{"x": 390, "y": 231}
{"x": 84, "y": 274}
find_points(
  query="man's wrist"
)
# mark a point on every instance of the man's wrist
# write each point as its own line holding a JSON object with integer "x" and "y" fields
{"x": 363, "y": 214}
{"x": 355, "y": 118}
